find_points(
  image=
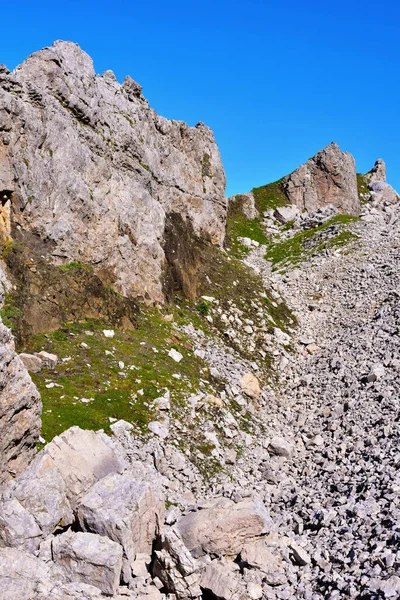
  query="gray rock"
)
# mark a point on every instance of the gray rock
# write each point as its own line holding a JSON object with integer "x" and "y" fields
{"x": 222, "y": 526}
{"x": 221, "y": 578}
{"x": 22, "y": 575}
{"x": 280, "y": 447}
{"x": 20, "y": 409}
{"x": 89, "y": 558}
{"x": 377, "y": 173}
{"x": 49, "y": 361}
{"x": 31, "y": 362}
{"x": 175, "y": 567}
{"x": 82, "y": 457}
{"x": 246, "y": 203}
{"x": 128, "y": 511}
{"x": 112, "y": 170}
{"x": 284, "y": 214}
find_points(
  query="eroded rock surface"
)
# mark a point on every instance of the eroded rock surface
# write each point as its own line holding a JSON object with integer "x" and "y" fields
{"x": 20, "y": 409}
{"x": 93, "y": 171}
{"x": 327, "y": 178}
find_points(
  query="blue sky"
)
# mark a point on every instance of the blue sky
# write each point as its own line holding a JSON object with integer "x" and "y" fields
{"x": 276, "y": 81}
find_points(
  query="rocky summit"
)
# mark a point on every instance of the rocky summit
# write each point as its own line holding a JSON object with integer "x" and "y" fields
{"x": 199, "y": 396}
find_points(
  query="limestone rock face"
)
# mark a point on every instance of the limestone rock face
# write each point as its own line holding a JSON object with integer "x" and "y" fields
{"x": 89, "y": 168}
{"x": 20, "y": 410}
{"x": 377, "y": 173}
{"x": 327, "y": 178}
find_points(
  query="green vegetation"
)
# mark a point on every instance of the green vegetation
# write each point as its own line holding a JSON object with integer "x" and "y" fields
{"x": 145, "y": 166}
{"x": 363, "y": 191}
{"x": 238, "y": 225}
{"x": 116, "y": 377}
{"x": 206, "y": 169}
{"x": 304, "y": 244}
{"x": 74, "y": 264}
{"x": 10, "y": 312}
{"x": 270, "y": 196}
{"x": 203, "y": 307}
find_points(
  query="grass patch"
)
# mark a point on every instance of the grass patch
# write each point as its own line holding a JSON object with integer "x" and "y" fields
{"x": 74, "y": 264}
{"x": 270, "y": 196}
{"x": 10, "y": 312}
{"x": 305, "y": 244}
{"x": 363, "y": 192}
{"x": 238, "y": 225}
{"x": 94, "y": 371}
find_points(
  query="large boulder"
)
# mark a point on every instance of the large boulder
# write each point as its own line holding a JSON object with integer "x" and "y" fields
{"x": 34, "y": 505}
{"x": 93, "y": 172}
{"x": 327, "y": 178}
{"x": 221, "y": 526}
{"x": 126, "y": 510}
{"x": 89, "y": 558}
{"x": 382, "y": 194}
{"x": 83, "y": 457}
{"x": 23, "y": 576}
{"x": 20, "y": 410}
{"x": 41, "y": 500}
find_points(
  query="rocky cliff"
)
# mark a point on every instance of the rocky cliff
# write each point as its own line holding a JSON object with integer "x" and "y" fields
{"x": 91, "y": 172}
{"x": 20, "y": 409}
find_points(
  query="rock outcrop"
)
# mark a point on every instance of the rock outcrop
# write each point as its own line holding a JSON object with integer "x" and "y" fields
{"x": 377, "y": 173}
{"x": 327, "y": 178}
{"x": 90, "y": 170}
{"x": 381, "y": 193}
{"x": 20, "y": 410}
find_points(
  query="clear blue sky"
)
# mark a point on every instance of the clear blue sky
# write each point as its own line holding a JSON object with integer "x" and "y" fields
{"x": 276, "y": 81}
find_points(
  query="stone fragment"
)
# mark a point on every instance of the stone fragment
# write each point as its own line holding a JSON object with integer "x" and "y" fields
{"x": 280, "y": 447}
{"x": 250, "y": 386}
{"x": 285, "y": 214}
{"x": 175, "y": 355}
{"x": 312, "y": 348}
{"x": 121, "y": 427}
{"x": 257, "y": 555}
{"x": 175, "y": 567}
{"x": 377, "y": 372}
{"x": 31, "y": 362}
{"x": 49, "y": 361}
{"x": 301, "y": 557}
{"x": 108, "y": 333}
{"x": 221, "y": 578}
{"x": 223, "y": 526}
{"x": 159, "y": 428}
{"x": 89, "y": 558}
{"x": 254, "y": 591}
{"x": 34, "y": 505}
